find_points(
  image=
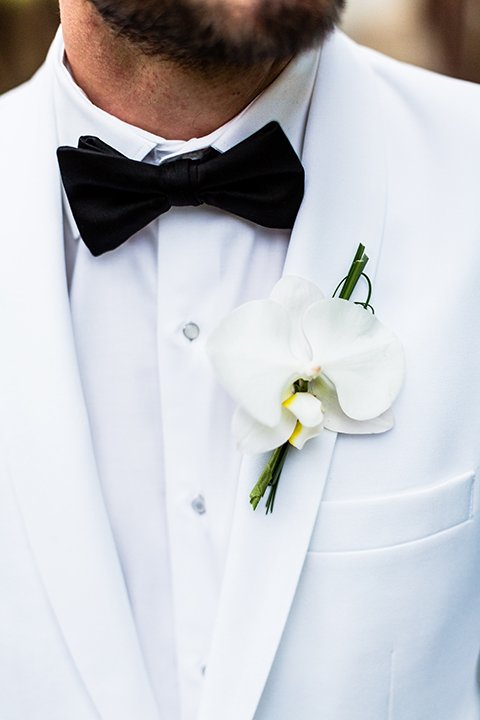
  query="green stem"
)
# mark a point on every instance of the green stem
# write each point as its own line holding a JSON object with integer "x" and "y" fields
{"x": 356, "y": 269}
{"x": 269, "y": 477}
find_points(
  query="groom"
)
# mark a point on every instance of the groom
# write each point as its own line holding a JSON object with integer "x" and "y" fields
{"x": 136, "y": 581}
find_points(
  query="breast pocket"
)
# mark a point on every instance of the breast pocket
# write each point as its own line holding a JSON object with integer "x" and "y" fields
{"x": 356, "y": 525}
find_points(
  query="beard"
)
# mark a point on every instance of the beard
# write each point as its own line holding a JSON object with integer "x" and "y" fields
{"x": 208, "y": 33}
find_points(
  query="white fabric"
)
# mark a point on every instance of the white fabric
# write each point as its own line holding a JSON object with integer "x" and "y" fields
{"x": 380, "y": 617}
{"x": 160, "y": 424}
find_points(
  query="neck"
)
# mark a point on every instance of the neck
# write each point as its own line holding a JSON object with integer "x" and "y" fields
{"x": 153, "y": 93}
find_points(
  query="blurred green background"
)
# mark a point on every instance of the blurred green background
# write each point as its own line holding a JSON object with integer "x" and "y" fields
{"x": 442, "y": 35}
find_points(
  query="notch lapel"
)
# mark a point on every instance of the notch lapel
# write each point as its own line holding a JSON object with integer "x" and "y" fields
{"x": 44, "y": 421}
{"x": 344, "y": 205}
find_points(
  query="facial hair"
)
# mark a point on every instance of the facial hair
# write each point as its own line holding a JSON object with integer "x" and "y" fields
{"x": 206, "y": 33}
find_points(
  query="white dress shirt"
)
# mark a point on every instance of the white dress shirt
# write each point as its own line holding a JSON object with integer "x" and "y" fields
{"x": 160, "y": 423}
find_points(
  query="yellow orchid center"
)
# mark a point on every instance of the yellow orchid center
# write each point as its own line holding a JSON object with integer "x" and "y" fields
{"x": 291, "y": 399}
{"x": 296, "y": 433}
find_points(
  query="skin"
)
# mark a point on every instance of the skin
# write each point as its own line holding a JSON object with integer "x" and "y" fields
{"x": 155, "y": 93}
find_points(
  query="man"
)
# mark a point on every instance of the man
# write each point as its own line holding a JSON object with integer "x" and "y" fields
{"x": 137, "y": 582}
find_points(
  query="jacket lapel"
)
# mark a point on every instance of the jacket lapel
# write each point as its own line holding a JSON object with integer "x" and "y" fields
{"x": 44, "y": 422}
{"x": 344, "y": 205}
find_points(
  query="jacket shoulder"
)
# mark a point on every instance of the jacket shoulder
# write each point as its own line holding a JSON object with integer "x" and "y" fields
{"x": 22, "y": 101}
{"x": 427, "y": 93}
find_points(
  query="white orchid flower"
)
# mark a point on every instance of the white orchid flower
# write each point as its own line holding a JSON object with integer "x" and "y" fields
{"x": 297, "y": 363}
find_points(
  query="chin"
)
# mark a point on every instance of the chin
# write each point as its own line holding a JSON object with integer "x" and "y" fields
{"x": 208, "y": 32}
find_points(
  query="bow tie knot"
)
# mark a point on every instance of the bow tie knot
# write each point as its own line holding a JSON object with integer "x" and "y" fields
{"x": 112, "y": 197}
{"x": 179, "y": 182}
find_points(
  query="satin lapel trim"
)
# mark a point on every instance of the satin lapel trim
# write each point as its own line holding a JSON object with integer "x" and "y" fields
{"x": 44, "y": 421}
{"x": 345, "y": 169}
{"x": 344, "y": 204}
{"x": 266, "y": 556}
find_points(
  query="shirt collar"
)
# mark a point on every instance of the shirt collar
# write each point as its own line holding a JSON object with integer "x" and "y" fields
{"x": 286, "y": 100}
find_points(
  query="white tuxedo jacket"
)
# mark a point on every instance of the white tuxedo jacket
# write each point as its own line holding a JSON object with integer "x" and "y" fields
{"x": 355, "y": 600}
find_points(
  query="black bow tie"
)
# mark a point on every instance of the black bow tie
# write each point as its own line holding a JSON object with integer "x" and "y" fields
{"x": 112, "y": 197}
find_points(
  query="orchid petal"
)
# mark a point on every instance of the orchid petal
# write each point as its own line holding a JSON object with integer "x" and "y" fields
{"x": 306, "y": 408}
{"x": 250, "y": 352}
{"x": 295, "y": 295}
{"x": 253, "y": 437}
{"x": 362, "y": 358}
{"x": 301, "y": 434}
{"x": 337, "y": 421}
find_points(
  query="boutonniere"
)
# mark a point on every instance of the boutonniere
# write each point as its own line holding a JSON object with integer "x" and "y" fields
{"x": 298, "y": 364}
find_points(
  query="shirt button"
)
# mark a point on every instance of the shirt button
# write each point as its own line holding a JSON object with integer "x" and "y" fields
{"x": 191, "y": 331}
{"x": 198, "y": 504}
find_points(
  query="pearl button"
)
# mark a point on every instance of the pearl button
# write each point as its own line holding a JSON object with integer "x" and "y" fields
{"x": 198, "y": 504}
{"x": 191, "y": 331}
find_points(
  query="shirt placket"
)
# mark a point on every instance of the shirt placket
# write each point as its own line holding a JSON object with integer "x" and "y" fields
{"x": 187, "y": 388}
